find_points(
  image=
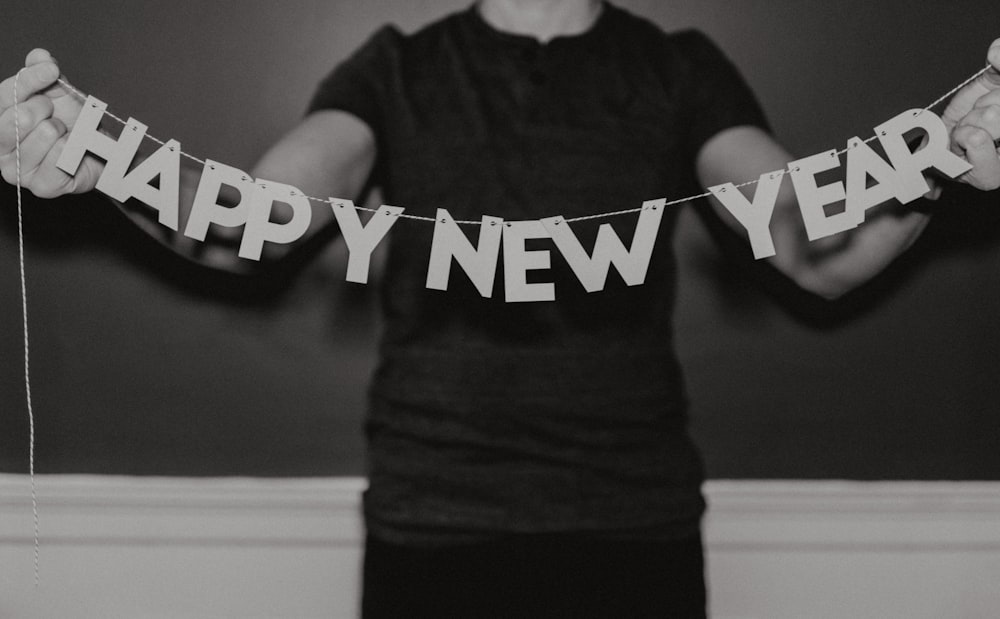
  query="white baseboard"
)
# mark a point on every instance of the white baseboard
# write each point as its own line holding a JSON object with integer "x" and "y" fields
{"x": 853, "y": 550}
{"x": 178, "y": 548}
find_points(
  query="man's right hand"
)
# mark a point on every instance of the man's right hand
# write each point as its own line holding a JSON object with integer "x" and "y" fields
{"x": 46, "y": 114}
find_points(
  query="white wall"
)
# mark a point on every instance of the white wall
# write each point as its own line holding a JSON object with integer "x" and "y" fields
{"x": 176, "y": 548}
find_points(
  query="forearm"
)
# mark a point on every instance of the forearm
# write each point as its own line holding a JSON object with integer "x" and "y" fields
{"x": 217, "y": 251}
{"x": 832, "y": 266}
{"x": 181, "y": 205}
{"x": 328, "y": 155}
{"x": 777, "y": 210}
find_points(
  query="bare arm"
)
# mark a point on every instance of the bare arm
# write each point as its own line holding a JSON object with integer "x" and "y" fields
{"x": 828, "y": 267}
{"x": 329, "y": 154}
{"x": 834, "y": 265}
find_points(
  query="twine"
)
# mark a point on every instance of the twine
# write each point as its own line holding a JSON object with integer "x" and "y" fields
{"x": 24, "y": 316}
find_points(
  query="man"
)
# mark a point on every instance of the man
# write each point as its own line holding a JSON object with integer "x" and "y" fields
{"x": 531, "y": 460}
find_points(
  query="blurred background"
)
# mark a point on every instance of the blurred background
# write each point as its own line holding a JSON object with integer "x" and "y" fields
{"x": 145, "y": 364}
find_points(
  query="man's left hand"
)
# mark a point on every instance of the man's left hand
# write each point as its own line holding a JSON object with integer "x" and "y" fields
{"x": 973, "y": 117}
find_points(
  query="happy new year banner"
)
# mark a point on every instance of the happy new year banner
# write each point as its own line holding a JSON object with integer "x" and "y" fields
{"x": 900, "y": 177}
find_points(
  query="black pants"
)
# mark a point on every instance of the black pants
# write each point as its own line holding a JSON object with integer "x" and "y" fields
{"x": 536, "y": 576}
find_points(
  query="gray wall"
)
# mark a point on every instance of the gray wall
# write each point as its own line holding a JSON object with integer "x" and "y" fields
{"x": 145, "y": 364}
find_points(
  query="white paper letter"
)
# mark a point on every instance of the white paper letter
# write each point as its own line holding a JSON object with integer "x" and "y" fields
{"x": 362, "y": 240}
{"x": 812, "y": 199}
{"x": 754, "y": 216}
{"x": 934, "y": 154}
{"x": 480, "y": 264}
{"x": 259, "y": 226}
{"x": 87, "y": 137}
{"x": 592, "y": 271}
{"x": 206, "y": 210}
{"x": 165, "y": 163}
{"x": 517, "y": 262}
{"x": 863, "y": 162}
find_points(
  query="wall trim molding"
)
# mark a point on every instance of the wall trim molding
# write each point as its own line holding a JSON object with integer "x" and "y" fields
{"x": 97, "y": 509}
{"x": 82, "y": 509}
{"x": 256, "y": 548}
{"x": 945, "y": 516}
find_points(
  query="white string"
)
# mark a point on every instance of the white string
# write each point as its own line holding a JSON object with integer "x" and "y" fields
{"x": 473, "y": 222}
{"x": 24, "y": 315}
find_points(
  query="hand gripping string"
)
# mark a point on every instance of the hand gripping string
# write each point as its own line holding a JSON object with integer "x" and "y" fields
{"x": 24, "y": 315}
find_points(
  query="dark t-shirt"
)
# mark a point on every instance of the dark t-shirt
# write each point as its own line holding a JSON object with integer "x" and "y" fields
{"x": 490, "y": 417}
